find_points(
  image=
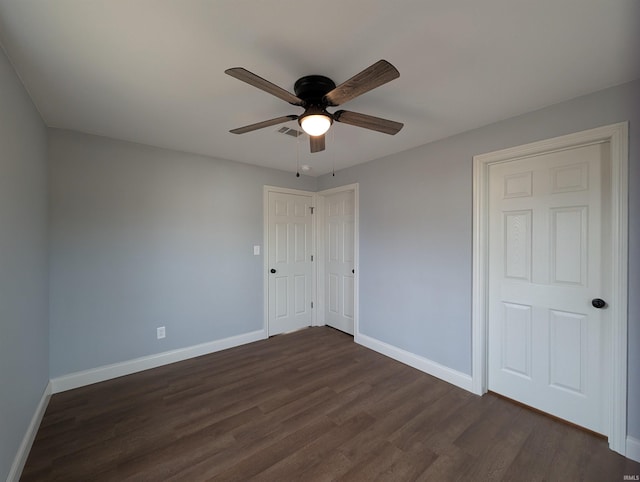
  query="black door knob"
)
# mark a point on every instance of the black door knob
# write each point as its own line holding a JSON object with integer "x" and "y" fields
{"x": 353, "y": 271}
{"x": 598, "y": 303}
{"x": 273, "y": 270}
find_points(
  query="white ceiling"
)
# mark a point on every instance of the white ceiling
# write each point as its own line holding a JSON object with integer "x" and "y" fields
{"x": 152, "y": 71}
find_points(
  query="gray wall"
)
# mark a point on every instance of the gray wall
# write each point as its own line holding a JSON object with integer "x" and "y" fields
{"x": 144, "y": 237}
{"x": 24, "y": 332}
{"x": 415, "y": 231}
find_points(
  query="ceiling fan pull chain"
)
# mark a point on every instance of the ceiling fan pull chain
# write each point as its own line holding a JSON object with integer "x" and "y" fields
{"x": 298, "y": 155}
{"x": 333, "y": 142}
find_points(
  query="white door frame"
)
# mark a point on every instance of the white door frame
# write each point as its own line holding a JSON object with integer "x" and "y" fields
{"x": 321, "y": 253}
{"x": 616, "y": 380}
{"x": 265, "y": 253}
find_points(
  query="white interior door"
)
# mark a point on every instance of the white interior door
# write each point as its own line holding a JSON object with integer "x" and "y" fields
{"x": 546, "y": 242}
{"x": 290, "y": 238}
{"x": 339, "y": 229}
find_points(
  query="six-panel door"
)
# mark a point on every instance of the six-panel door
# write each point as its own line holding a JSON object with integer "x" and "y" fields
{"x": 290, "y": 270}
{"x": 545, "y": 267}
{"x": 340, "y": 264}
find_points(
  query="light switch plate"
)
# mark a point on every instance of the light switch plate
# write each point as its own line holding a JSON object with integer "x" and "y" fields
{"x": 256, "y": 250}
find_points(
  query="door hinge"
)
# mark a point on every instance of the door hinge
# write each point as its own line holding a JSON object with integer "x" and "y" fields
{"x": 312, "y": 209}
{"x": 311, "y": 257}
{"x": 312, "y": 304}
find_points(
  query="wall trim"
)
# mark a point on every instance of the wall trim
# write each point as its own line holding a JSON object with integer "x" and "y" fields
{"x": 459, "y": 379}
{"x": 633, "y": 448}
{"x": 616, "y": 350}
{"x": 115, "y": 370}
{"x": 27, "y": 441}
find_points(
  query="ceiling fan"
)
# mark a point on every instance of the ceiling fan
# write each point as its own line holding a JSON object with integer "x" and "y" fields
{"x": 315, "y": 93}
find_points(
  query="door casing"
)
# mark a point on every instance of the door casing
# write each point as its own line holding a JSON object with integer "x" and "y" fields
{"x": 617, "y": 135}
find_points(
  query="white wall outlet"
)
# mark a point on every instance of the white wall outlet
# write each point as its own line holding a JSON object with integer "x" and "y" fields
{"x": 256, "y": 250}
{"x": 161, "y": 332}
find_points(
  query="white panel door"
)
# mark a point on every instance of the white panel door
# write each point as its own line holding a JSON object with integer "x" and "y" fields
{"x": 339, "y": 260}
{"x": 546, "y": 237}
{"x": 290, "y": 270}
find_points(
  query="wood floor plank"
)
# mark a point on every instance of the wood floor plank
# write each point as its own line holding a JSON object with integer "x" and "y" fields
{"x": 428, "y": 424}
{"x": 414, "y": 461}
{"x": 310, "y": 405}
{"x": 450, "y": 466}
{"x": 358, "y": 449}
{"x": 486, "y": 430}
{"x": 330, "y": 468}
{"x": 313, "y": 453}
{"x": 494, "y": 460}
{"x": 380, "y": 458}
{"x": 542, "y": 444}
{"x": 258, "y": 462}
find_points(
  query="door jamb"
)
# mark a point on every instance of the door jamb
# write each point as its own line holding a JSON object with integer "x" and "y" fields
{"x": 617, "y": 135}
{"x": 356, "y": 253}
{"x": 265, "y": 253}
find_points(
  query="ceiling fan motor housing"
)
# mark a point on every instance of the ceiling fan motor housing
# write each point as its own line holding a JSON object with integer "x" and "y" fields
{"x": 312, "y": 88}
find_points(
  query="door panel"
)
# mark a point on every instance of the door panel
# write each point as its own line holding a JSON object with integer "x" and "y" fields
{"x": 516, "y": 339}
{"x": 290, "y": 245}
{"x": 517, "y": 243}
{"x": 545, "y": 251}
{"x": 569, "y": 245}
{"x": 348, "y": 282}
{"x": 281, "y": 287}
{"x": 339, "y": 265}
{"x": 567, "y": 350}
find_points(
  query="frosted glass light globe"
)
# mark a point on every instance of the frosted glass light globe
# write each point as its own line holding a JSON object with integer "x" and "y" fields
{"x": 315, "y": 124}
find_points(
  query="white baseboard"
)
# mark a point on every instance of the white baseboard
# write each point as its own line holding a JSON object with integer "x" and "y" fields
{"x": 633, "y": 448}
{"x": 442, "y": 372}
{"x": 30, "y": 435}
{"x": 108, "y": 372}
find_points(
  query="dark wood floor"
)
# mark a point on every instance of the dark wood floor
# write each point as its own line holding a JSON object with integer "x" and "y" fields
{"x": 310, "y": 405}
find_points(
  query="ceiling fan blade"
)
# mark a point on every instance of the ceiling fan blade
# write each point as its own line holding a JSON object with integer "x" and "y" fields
{"x": 260, "y": 125}
{"x": 316, "y": 143}
{"x": 368, "y": 122}
{"x": 374, "y": 76}
{"x": 263, "y": 84}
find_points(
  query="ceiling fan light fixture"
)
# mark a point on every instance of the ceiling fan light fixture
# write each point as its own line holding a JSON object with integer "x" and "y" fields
{"x": 315, "y": 93}
{"x": 315, "y": 123}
